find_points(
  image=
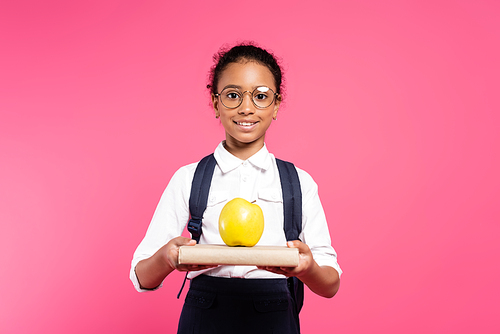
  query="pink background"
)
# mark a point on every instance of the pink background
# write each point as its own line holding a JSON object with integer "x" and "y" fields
{"x": 392, "y": 106}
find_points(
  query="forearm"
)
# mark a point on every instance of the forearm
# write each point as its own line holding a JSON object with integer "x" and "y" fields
{"x": 152, "y": 271}
{"x": 322, "y": 280}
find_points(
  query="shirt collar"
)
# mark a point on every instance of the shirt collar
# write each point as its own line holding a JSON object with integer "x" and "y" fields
{"x": 227, "y": 162}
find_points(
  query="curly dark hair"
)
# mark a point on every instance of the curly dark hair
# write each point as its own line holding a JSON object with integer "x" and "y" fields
{"x": 248, "y": 51}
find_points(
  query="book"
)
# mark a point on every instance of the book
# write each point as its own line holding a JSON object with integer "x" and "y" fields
{"x": 278, "y": 256}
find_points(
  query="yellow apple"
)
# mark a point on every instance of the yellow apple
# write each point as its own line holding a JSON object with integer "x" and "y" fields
{"x": 241, "y": 223}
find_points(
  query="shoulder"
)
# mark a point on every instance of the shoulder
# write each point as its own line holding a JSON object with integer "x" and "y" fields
{"x": 186, "y": 171}
{"x": 309, "y": 189}
{"x": 307, "y": 183}
{"x": 183, "y": 177}
{"x": 304, "y": 177}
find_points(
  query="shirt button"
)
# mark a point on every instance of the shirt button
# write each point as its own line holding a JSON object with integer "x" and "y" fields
{"x": 245, "y": 179}
{"x": 245, "y": 163}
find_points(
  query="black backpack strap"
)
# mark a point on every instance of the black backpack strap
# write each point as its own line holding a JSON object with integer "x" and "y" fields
{"x": 200, "y": 188}
{"x": 292, "y": 199}
{"x": 292, "y": 212}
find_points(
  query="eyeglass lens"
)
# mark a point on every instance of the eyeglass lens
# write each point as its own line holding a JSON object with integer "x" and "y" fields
{"x": 262, "y": 97}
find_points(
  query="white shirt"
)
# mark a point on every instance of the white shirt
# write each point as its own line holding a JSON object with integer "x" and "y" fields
{"x": 255, "y": 179}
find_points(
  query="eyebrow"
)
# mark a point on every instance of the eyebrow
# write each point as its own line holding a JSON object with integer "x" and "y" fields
{"x": 239, "y": 87}
{"x": 232, "y": 86}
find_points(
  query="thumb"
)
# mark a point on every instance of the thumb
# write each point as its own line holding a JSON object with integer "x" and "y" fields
{"x": 190, "y": 242}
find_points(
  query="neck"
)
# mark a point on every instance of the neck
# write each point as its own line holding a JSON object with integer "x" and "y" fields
{"x": 243, "y": 151}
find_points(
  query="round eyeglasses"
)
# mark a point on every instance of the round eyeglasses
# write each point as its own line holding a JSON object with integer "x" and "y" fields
{"x": 232, "y": 97}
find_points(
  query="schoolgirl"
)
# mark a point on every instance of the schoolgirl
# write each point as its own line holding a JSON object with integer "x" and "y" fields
{"x": 246, "y": 87}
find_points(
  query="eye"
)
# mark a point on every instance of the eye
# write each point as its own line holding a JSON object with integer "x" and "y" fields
{"x": 262, "y": 93}
{"x": 260, "y": 96}
{"x": 232, "y": 95}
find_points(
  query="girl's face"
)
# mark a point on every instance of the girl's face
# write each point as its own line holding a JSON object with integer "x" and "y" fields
{"x": 245, "y": 125}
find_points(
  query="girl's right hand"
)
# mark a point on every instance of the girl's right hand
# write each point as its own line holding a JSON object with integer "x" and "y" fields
{"x": 171, "y": 252}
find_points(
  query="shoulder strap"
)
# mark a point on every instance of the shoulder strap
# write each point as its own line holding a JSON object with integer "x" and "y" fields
{"x": 292, "y": 213}
{"x": 198, "y": 198}
{"x": 200, "y": 188}
{"x": 292, "y": 199}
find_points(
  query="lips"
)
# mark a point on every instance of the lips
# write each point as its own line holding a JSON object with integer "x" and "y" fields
{"x": 245, "y": 123}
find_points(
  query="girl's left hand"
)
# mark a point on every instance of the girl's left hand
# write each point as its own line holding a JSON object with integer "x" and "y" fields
{"x": 306, "y": 261}
{"x": 322, "y": 280}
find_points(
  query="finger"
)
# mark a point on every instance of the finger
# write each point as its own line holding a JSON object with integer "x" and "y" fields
{"x": 191, "y": 242}
{"x": 195, "y": 267}
{"x": 276, "y": 270}
{"x": 271, "y": 269}
{"x": 303, "y": 248}
{"x": 296, "y": 244}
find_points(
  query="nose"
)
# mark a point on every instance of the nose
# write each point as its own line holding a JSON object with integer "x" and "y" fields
{"x": 247, "y": 106}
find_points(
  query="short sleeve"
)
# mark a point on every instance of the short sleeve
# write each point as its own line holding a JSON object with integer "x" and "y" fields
{"x": 315, "y": 232}
{"x": 169, "y": 219}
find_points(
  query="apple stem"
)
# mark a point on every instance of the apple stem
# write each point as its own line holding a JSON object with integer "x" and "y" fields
{"x": 254, "y": 201}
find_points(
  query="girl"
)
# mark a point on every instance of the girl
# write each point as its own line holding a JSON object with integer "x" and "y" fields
{"x": 245, "y": 85}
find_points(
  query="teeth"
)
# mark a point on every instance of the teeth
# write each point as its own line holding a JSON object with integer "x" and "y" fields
{"x": 245, "y": 123}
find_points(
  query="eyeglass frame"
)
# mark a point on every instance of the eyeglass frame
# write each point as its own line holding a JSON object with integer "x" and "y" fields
{"x": 275, "y": 97}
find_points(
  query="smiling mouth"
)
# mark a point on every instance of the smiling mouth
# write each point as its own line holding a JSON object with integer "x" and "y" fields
{"x": 245, "y": 123}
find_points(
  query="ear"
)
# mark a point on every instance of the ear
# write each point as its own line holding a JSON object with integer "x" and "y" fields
{"x": 276, "y": 106}
{"x": 215, "y": 103}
